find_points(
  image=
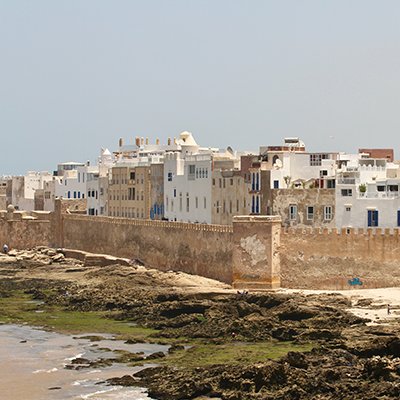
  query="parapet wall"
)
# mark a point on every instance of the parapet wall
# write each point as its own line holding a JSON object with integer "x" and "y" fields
{"x": 329, "y": 259}
{"x": 204, "y": 250}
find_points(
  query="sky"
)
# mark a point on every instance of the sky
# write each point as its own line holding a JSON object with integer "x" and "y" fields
{"x": 76, "y": 75}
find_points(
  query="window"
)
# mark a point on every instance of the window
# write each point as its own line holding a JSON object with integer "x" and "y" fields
{"x": 230, "y": 206}
{"x": 398, "y": 217}
{"x": 331, "y": 183}
{"x": 348, "y": 208}
{"x": 131, "y": 194}
{"x": 372, "y": 218}
{"x": 327, "y": 213}
{"x": 169, "y": 176}
{"x": 323, "y": 173}
{"x": 132, "y": 176}
{"x": 231, "y": 182}
{"x": 197, "y": 202}
{"x": 347, "y": 192}
{"x": 220, "y": 182}
{"x": 174, "y": 192}
{"x": 237, "y": 205}
{"x": 310, "y": 213}
{"x": 213, "y": 181}
{"x": 316, "y": 159}
{"x": 205, "y": 202}
{"x": 255, "y": 204}
{"x": 224, "y": 182}
{"x": 276, "y": 184}
{"x": 217, "y": 206}
{"x": 191, "y": 172}
{"x": 293, "y": 212}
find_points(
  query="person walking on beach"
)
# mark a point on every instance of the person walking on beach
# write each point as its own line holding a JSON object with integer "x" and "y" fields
{"x": 5, "y": 248}
{"x": 388, "y": 309}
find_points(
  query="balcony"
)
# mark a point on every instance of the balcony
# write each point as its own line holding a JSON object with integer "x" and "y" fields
{"x": 347, "y": 181}
{"x": 379, "y": 195}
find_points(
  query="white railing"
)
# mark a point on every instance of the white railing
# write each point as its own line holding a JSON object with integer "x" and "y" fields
{"x": 347, "y": 181}
{"x": 379, "y": 195}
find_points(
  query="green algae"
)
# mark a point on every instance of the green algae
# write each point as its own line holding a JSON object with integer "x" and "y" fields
{"x": 20, "y": 308}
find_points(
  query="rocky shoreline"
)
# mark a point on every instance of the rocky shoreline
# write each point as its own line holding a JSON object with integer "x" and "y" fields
{"x": 346, "y": 357}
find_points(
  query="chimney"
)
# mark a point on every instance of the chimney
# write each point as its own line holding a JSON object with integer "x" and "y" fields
{"x": 137, "y": 141}
{"x": 142, "y": 140}
{"x": 169, "y": 141}
{"x": 147, "y": 141}
{"x": 121, "y": 142}
{"x": 174, "y": 140}
{"x": 157, "y": 141}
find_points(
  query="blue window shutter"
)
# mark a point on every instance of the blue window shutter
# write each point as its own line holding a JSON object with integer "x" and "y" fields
{"x": 398, "y": 217}
{"x": 376, "y": 218}
{"x": 369, "y": 218}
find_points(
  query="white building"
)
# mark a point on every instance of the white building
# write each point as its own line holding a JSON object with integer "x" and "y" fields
{"x": 97, "y": 184}
{"x": 24, "y": 187}
{"x": 187, "y": 182}
{"x": 367, "y": 193}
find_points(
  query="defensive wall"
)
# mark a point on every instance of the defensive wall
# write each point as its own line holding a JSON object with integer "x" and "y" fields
{"x": 253, "y": 253}
{"x": 204, "y": 250}
{"x": 340, "y": 259}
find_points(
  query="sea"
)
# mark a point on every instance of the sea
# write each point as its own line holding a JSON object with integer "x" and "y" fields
{"x": 33, "y": 364}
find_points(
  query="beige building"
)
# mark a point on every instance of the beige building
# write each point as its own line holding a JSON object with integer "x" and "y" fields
{"x": 230, "y": 194}
{"x": 230, "y": 189}
{"x": 304, "y": 207}
{"x": 136, "y": 191}
{"x": 5, "y": 185}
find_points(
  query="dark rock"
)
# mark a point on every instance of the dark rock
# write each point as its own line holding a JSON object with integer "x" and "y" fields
{"x": 175, "y": 347}
{"x": 296, "y": 359}
{"x": 126, "y": 380}
{"x": 158, "y": 354}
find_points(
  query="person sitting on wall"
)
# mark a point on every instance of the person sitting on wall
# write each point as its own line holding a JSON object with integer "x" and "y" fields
{"x": 5, "y": 248}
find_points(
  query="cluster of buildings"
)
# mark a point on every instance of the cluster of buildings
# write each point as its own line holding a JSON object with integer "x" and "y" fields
{"x": 182, "y": 181}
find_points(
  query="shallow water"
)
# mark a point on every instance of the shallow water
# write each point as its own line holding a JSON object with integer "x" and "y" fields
{"x": 32, "y": 366}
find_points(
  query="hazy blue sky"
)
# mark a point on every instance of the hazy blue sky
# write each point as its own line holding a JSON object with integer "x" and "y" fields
{"x": 77, "y": 75}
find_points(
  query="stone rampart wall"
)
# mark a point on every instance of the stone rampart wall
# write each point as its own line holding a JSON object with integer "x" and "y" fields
{"x": 25, "y": 233}
{"x": 328, "y": 259}
{"x": 194, "y": 248}
{"x": 309, "y": 259}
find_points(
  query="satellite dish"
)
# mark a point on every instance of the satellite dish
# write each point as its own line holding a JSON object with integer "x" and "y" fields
{"x": 230, "y": 150}
{"x": 278, "y": 164}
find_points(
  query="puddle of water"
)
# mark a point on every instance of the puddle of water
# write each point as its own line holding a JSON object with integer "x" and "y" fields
{"x": 37, "y": 358}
